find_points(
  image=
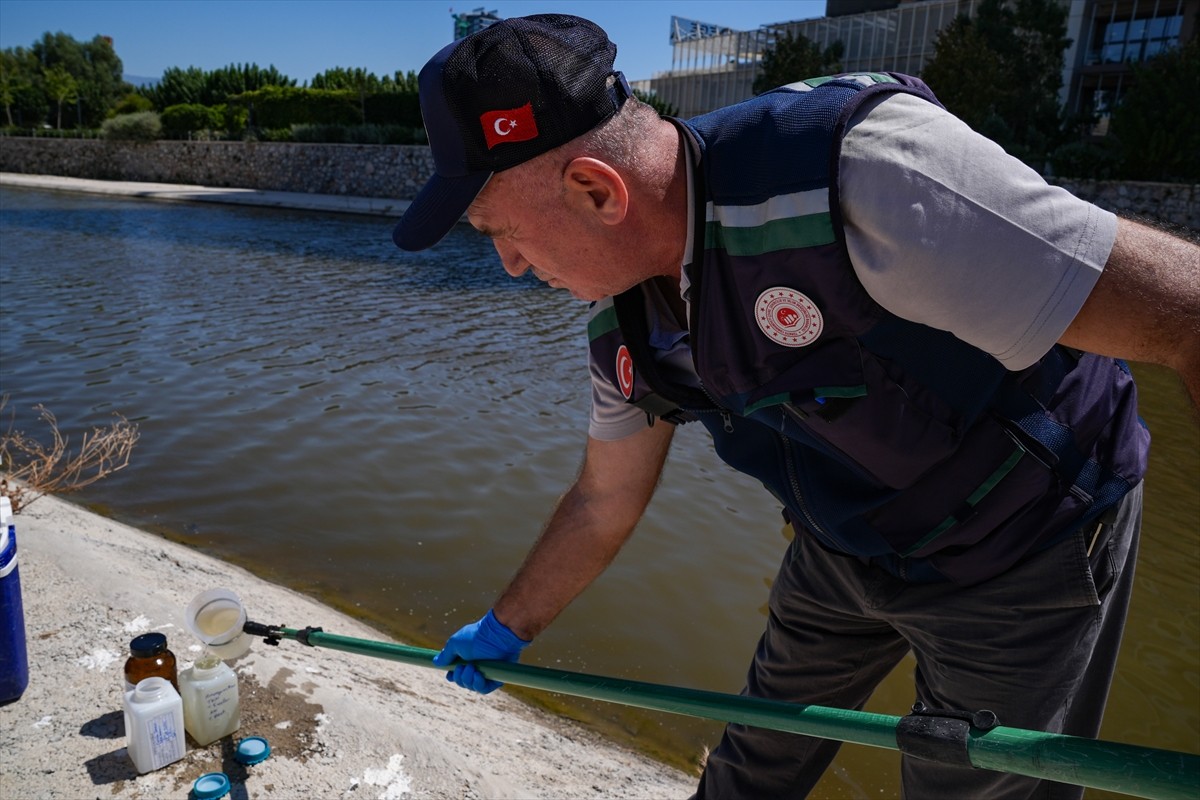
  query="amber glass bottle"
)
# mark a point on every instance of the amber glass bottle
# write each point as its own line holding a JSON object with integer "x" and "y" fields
{"x": 150, "y": 658}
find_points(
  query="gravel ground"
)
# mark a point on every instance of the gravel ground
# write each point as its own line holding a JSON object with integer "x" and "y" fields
{"x": 339, "y": 725}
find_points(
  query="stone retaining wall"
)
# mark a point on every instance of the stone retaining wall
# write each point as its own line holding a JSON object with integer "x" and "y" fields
{"x": 1176, "y": 203}
{"x": 396, "y": 171}
{"x": 357, "y": 170}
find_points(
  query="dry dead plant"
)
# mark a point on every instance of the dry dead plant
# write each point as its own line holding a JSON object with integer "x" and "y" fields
{"x": 30, "y": 469}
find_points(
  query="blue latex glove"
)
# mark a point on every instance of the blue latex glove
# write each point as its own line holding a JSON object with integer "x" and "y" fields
{"x": 489, "y": 639}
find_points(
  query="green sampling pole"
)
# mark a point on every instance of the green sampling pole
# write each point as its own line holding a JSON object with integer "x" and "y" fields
{"x": 951, "y": 737}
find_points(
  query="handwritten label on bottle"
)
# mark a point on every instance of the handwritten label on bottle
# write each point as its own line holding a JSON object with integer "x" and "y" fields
{"x": 218, "y": 704}
{"x": 164, "y": 739}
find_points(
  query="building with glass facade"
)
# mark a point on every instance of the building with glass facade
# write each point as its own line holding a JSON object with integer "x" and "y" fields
{"x": 713, "y": 66}
{"x": 1113, "y": 37}
{"x": 472, "y": 22}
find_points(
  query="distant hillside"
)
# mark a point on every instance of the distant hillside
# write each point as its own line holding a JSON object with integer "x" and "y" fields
{"x": 141, "y": 80}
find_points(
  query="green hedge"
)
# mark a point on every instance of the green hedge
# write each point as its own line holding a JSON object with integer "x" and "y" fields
{"x": 277, "y": 107}
{"x": 179, "y": 121}
{"x": 280, "y": 107}
{"x": 394, "y": 108}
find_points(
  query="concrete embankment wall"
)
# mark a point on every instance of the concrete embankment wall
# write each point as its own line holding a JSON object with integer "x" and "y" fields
{"x": 396, "y": 171}
{"x": 1176, "y": 203}
{"x": 357, "y": 170}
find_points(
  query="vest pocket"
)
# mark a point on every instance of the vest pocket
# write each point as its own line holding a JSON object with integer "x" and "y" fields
{"x": 893, "y": 433}
{"x": 992, "y": 500}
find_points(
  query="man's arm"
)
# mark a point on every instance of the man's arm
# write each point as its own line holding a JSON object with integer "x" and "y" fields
{"x": 1146, "y": 304}
{"x": 590, "y": 524}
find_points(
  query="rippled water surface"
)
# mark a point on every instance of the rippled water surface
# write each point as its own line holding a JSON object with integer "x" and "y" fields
{"x": 387, "y": 431}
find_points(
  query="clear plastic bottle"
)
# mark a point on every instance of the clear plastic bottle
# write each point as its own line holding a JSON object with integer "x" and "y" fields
{"x": 210, "y": 699}
{"x": 154, "y": 724}
{"x": 150, "y": 658}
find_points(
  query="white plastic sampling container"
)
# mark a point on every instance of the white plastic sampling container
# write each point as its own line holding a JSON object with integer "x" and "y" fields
{"x": 154, "y": 724}
{"x": 216, "y": 617}
{"x": 210, "y": 699}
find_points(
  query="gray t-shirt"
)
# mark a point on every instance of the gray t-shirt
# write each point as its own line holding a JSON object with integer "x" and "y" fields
{"x": 946, "y": 229}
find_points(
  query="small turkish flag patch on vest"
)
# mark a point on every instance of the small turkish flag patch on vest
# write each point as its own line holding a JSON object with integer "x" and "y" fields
{"x": 513, "y": 125}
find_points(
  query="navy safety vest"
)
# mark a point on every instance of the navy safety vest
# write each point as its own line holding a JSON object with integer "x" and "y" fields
{"x": 886, "y": 439}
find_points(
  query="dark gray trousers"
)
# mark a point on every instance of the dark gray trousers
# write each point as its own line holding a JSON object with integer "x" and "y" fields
{"x": 1037, "y": 645}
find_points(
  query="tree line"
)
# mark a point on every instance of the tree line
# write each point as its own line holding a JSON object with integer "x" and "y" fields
{"x": 59, "y": 83}
{"x": 1000, "y": 71}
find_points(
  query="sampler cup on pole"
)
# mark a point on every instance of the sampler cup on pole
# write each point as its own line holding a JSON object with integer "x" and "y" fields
{"x": 216, "y": 617}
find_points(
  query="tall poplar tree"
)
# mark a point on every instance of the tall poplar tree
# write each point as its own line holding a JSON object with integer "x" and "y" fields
{"x": 62, "y": 88}
{"x": 95, "y": 68}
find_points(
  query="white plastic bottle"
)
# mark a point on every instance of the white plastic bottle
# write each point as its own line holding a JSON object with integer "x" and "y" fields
{"x": 154, "y": 724}
{"x": 210, "y": 699}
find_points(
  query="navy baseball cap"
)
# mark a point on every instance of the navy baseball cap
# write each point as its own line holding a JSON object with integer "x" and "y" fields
{"x": 500, "y": 97}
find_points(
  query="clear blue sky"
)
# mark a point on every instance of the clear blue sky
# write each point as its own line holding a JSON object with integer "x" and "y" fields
{"x": 302, "y": 38}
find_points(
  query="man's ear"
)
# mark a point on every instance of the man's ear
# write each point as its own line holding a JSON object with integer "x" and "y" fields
{"x": 596, "y": 188}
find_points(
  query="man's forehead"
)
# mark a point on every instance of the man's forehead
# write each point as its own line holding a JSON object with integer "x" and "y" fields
{"x": 485, "y": 203}
{"x": 477, "y": 212}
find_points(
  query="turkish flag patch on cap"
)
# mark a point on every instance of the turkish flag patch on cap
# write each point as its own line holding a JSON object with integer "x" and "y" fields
{"x": 513, "y": 125}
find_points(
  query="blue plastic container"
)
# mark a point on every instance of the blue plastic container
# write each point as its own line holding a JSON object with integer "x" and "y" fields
{"x": 14, "y": 660}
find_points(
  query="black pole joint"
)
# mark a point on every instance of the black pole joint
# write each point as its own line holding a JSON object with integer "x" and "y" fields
{"x": 303, "y": 634}
{"x": 271, "y": 633}
{"x": 941, "y": 735}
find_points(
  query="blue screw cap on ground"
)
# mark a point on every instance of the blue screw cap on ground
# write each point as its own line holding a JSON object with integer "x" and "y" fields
{"x": 252, "y": 750}
{"x": 212, "y": 786}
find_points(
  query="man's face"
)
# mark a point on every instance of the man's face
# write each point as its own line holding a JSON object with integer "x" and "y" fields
{"x": 557, "y": 243}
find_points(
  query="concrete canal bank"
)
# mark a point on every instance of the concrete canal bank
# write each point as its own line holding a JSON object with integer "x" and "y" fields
{"x": 339, "y": 725}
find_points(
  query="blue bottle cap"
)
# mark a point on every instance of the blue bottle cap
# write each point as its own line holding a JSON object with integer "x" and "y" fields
{"x": 212, "y": 786}
{"x": 252, "y": 750}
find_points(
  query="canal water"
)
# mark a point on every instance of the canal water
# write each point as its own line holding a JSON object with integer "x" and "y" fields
{"x": 387, "y": 431}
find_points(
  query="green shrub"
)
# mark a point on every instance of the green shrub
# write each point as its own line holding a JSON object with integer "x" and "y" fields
{"x": 318, "y": 134}
{"x": 179, "y": 121}
{"x": 1097, "y": 160}
{"x": 141, "y": 126}
{"x": 131, "y": 104}
{"x": 268, "y": 134}
{"x": 233, "y": 118}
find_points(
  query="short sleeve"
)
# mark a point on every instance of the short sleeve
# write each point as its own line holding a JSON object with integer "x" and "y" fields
{"x": 611, "y": 417}
{"x": 946, "y": 229}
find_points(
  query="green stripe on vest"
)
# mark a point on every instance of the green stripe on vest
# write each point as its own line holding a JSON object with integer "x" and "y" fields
{"x": 767, "y": 402}
{"x": 841, "y": 391}
{"x": 604, "y": 322}
{"x": 811, "y": 230}
{"x": 980, "y": 492}
{"x": 877, "y": 77}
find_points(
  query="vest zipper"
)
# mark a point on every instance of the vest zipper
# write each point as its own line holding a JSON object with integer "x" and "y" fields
{"x": 726, "y": 417}
{"x": 790, "y": 465}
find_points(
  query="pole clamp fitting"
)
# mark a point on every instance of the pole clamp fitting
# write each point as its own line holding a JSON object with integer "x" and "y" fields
{"x": 271, "y": 634}
{"x": 941, "y": 735}
{"x": 303, "y": 634}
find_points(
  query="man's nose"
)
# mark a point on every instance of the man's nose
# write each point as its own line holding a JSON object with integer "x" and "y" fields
{"x": 514, "y": 263}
